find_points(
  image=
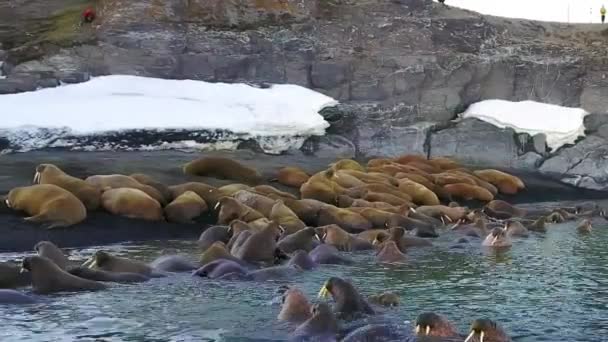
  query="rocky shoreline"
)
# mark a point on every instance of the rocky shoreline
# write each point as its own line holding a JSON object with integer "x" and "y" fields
{"x": 100, "y": 228}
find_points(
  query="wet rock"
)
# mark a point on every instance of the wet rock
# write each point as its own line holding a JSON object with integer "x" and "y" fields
{"x": 333, "y": 146}
{"x": 18, "y": 83}
{"x": 528, "y": 161}
{"x": 594, "y": 121}
{"x": 602, "y": 131}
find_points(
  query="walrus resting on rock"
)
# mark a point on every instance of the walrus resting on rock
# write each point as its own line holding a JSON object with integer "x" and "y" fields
{"x": 103, "y": 182}
{"x": 47, "y": 203}
{"x": 88, "y": 194}
{"x": 222, "y": 168}
{"x": 132, "y": 203}
{"x": 292, "y": 176}
{"x": 48, "y": 277}
{"x": 185, "y": 208}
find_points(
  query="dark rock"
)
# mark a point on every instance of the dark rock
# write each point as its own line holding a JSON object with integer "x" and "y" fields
{"x": 48, "y": 83}
{"x": 325, "y": 75}
{"x": 330, "y": 145}
{"x": 73, "y": 77}
{"x": 594, "y": 121}
{"x": 602, "y": 131}
{"x": 18, "y": 83}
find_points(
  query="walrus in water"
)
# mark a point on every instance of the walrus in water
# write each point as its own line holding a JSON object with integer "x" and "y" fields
{"x": 584, "y": 227}
{"x": 48, "y": 277}
{"x": 173, "y": 263}
{"x": 321, "y": 326}
{"x": 389, "y": 253}
{"x": 223, "y": 168}
{"x": 488, "y": 331}
{"x": 48, "y": 250}
{"x": 260, "y": 246}
{"x": 115, "y": 277}
{"x": 497, "y": 238}
{"x": 149, "y": 181}
{"x": 15, "y": 297}
{"x": 50, "y": 174}
{"x": 292, "y": 176}
{"x": 326, "y": 254}
{"x": 11, "y": 278}
{"x": 302, "y": 259}
{"x": 505, "y": 207}
{"x": 397, "y": 234}
{"x": 295, "y": 307}
{"x": 220, "y": 268}
{"x": 108, "y": 262}
{"x": 231, "y": 209}
{"x": 213, "y": 234}
{"x": 385, "y": 299}
{"x": 515, "y": 228}
{"x": 274, "y": 273}
{"x": 47, "y": 203}
{"x": 132, "y": 203}
{"x": 304, "y": 239}
{"x": 216, "y": 251}
{"x": 432, "y": 324}
{"x": 121, "y": 181}
{"x": 348, "y": 302}
{"x": 335, "y": 236}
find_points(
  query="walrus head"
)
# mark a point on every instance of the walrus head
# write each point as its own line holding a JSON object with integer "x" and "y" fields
{"x": 347, "y": 298}
{"x": 45, "y": 168}
{"x": 432, "y": 324}
{"x": 26, "y": 265}
{"x": 97, "y": 260}
{"x": 488, "y": 330}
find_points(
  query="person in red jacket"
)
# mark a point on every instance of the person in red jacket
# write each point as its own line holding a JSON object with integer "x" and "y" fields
{"x": 88, "y": 15}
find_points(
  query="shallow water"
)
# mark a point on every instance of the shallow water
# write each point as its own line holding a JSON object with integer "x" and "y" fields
{"x": 549, "y": 287}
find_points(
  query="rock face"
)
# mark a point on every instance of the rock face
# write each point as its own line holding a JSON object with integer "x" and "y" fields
{"x": 402, "y": 69}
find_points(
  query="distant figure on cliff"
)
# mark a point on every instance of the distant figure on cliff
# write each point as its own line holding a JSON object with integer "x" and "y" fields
{"x": 88, "y": 15}
{"x": 441, "y": 1}
{"x": 603, "y": 13}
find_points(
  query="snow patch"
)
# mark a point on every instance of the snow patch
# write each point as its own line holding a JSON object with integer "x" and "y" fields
{"x": 109, "y": 111}
{"x": 561, "y": 125}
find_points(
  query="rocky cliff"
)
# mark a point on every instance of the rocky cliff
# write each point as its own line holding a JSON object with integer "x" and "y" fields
{"x": 402, "y": 69}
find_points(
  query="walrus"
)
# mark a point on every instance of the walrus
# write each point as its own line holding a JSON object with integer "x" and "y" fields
{"x": 326, "y": 254}
{"x": 173, "y": 263}
{"x": 486, "y": 330}
{"x": 416, "y": 178}
{"x": 348, "y": 302}
{"x": 477, "y": 229}
{"x": 584, "y": 227}
{"x": 231, "y": 189}
{"x": 497, "y": 238}
{"x": 348, "y": 220}
{"x": 432, "y": 324}
{"x": 11, "y": 278}
{"x": 256, "y": 201}
{"x": 222, "y": 168}
{"x": 555, "y": 217}
{"x": 420, "y": 194}
{"x": 397, "y": 234}
{"x": 207, "y": 192}
{"x": 103, "y": 182}
{"x": 217, "y": 251}
{"x": 302, "y": 259}
{"x": 468, "y": 192}
{"x": 149, "y": 181}
{"x": 346, "y": 164}
{"x": 260, "y": 246}
{"x": 292, "y": 176}
{"x": 380, "y": 332}
{"x": 373, "y": 177}
{"x": 539, "y": 225}
{"x": 386, "y": 198}
{"x": 237, "y": 240}
{"x": 48, "y": 277}
{"x": 213, "y": 234}
{"x": 506, "y": 183}
{"x": 424, "y": 166}
{"x": 303, "y": 239}
{"x": 49, "y": 204}
{"x": 321, "y": 191}
{"x": 389, "y": 253}
{"x": 89, "y": 195}
{"x": 376, "y": 205}
{"x": 477, "y": 181}
{"x": 454, "y": 212}
{"x": 48, "y": 250}
{"x": 321, "y": 326}
{"x": 114, "y": 277}
{"x": 335, "y": 236}
{"x": 15, "y": 297}
{"x": 381, "y": 218}
{"x": 372, "y": 234}
{"x": 385, "y": 299}
{"x": 346, "y": 180}
{"x": 295, "y": 307}
{"x": 408, "y": 158}
{"x": 132, "y": 203}
{"x": 270, "y": 190}
{"x": 220, "y": 268}
{"x": 446, "y": 178}
{"x": 274, "y": 273}
{"x": 108, "y": 262}
{"x": 375, "y": 162}
{"x": 515, "y": 228}
{"x": 505, "y": 207}
{"x": 286, "y": 218}
{"x": 185, "y": 208}
{"x": 231, "y": 209}
{"x": 307, "y": 210}
{"x": 443, "y": 163}
{"x": 420, "y": 220}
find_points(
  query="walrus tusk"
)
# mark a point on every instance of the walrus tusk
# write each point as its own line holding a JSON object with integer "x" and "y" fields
{"x": 417, "y": 329}
{"x": 428, "y": 330}
{"x": 413, "y": 210}
{"x": 8, "y": 204}
{"x": 216, "y": 205}
{"x": 470, "y": 336}
{"x": 318, "y": 238}
{"x": 23, "y": 270}
{"x": 494, "y": 240}
{"x": 375, "y": 242}
{"x": 36, "y": 177}
{"x": 454, "y": 225}
{"x": 323, "y": 292}
{"x": 90, "y": 263}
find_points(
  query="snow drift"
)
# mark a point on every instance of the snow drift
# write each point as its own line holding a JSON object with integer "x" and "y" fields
{"x": 108, "y": 111}
{"x": 561, "y": 125}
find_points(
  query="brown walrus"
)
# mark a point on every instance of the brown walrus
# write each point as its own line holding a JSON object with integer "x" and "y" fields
{"x": 432, "y": 324}
{"x": 487, "y": 330}
{"x": 348, "y": 220}
{"x": 261, "y": 246}
{"x": 389, "y": 253}
{"x": 11, "y": 278}
{"x": 381, "y": 188}
{"x": 306, "y": 209}
{"x": 222, "y": 168}
{"x": 185, "y": 208}
{"x": 47, "y": 203}
{"x": 213, "y": 234}
{"x": 207, "y": 192}
{"x": 381, "y": 218}
{"x": 147, "y": 180}
{"x": 231, "y": 209}
{"x": 346, "y": 164}
{"x": 47, "y": 277}
{"x": 468, "y": 192}
{"x": 505, "y": 207}
{"x": 285, "y": 217}
{"x": 258, "y": 202}
{"x": 335, "y": 236}
{"x": 372, "y": 234}
{"x": 303, "y": 239}
{"x": 385, "y": 299}
{"x": 268, "y": 190}
{"x": 111, "y": 263}
{"x": 506, "y": 183}
{"x": 116, "y": 181}
{"x": 584, "y": 227}
{"x": 48, "y": 250}
{"x": 420, "y": 194}
{"x": 132, "y": 203}
{"x": 216, "y": 251}
{"x": 515, "y": 228}
{"x": 292, "y": 176}
{"x": 321, "y": 324}
{"x": 348, "y": 302}
{"x": 89, "y": 195}
{"x": 295, "y": 306}
{"x": 325, "y": 192}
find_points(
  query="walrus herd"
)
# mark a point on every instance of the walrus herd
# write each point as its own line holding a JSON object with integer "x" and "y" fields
{"x": 388, "y": 206}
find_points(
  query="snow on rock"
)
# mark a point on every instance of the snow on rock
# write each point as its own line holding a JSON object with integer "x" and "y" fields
{"x": 117, "y": 111}
{"x": 561, "y": 125}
